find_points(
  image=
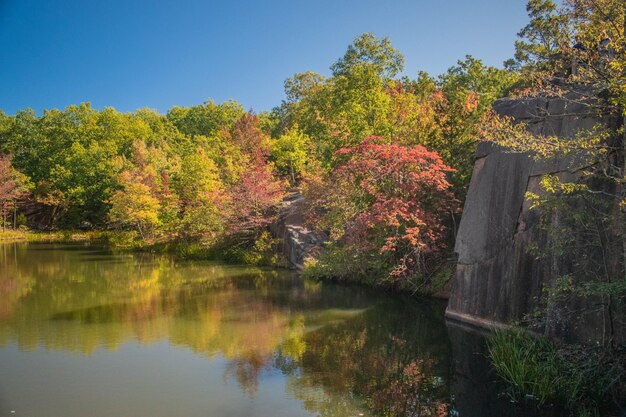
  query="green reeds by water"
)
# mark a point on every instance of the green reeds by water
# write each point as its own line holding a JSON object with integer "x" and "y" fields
{"x": 582, "y": 379}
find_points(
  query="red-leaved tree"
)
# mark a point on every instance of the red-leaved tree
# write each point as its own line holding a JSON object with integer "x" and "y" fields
{"x": 259, "y": 189}
{"x": 387, "y": 201}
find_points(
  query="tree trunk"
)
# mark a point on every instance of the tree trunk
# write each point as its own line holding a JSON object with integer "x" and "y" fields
{"x": 622, "y": 193}
{"x": 141, "y": 231}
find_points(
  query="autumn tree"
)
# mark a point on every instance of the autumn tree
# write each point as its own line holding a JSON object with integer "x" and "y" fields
{"x": 258, "y": 189}
{"x": 203, "y": 197}
{"x": 253, "y": 198}
{"x": 135, "y": 203}
{"x": 364, "y": 97}
{"x": 387, "y": 204}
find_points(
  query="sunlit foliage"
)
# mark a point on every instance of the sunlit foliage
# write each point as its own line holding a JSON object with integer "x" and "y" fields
{"x": 388, "y": 205}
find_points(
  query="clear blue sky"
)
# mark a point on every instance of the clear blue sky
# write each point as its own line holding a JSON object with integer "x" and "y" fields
{"x": 131, "y": 54}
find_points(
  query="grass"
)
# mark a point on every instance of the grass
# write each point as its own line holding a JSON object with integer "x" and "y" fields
{"x": 575, "y": 377}
{"x": 261, "y": 252}
{"x": 529, "y": 364}
{"x": 11, "y": 234}
{"x": 56, "y": 236}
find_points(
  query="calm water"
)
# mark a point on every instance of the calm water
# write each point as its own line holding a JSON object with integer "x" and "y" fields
{"x": 84, "y": 332}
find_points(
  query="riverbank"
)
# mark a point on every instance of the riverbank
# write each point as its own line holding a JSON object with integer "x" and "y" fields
{"x": 55, "y": 236}
{"x": 262, "y": 252}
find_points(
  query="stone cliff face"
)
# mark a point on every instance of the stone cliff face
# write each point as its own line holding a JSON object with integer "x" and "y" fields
{"x": 497, "y": 280}
{"x": 297, "y": 241}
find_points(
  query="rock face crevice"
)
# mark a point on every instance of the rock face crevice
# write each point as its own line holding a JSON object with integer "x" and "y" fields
{"x": 497, "y": 280}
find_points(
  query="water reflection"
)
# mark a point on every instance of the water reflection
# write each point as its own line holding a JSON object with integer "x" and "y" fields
{"x": 334, "y": 350}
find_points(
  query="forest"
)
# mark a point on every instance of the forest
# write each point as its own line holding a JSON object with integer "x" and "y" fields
{"x": 384, "y": 161}
{"x": 398, "y": 151}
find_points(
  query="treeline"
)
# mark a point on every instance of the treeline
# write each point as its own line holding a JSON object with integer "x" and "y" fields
{"x": 214, "y": 172}
{"x": 154, "y": 174}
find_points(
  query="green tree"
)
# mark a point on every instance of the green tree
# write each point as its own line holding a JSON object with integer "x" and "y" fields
{"x": 353, "y": 103}
{"x": 206, "y": 119}
{"x": 548, "y": 31}
{"x": 202, "y": 195}
{"x": 368, "y": 50}
{"x": 290, "y": 153}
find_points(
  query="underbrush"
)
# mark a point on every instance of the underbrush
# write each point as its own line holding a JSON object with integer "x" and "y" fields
{"x": 260, "y": 251}
{"x": 344, "y": 264}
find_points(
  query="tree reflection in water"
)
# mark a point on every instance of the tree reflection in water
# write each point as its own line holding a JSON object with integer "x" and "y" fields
{"x": 337, "y": 347}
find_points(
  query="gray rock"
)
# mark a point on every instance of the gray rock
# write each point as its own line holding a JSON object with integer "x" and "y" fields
{"x": 497, "y": 280}
{"x": 298, "y": 243}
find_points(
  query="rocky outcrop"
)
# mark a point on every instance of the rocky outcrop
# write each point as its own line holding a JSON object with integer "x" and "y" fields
{"x": 497, "y": 280}
{"x": 298, "y": 242}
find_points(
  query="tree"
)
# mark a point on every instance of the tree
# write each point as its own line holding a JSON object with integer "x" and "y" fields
{"x": 585, "y": 41}
{"x": 290, "y": 152}
{"x": 353, "y": 103}
{"x": 368, "y": 50}
{"x": 247, "y": 134}
{"x": 68, "y": 155}
{"x": 388, "y": 203}
{"x": 206, "y": 119}
{"x": 143, "y": 200}
{"x": 13, "y": 186}
{"x": 256, "y": 190}
{"x": 462, "y": 102}
{"x": 202, "y": 194}
{"x": 544, "y": 37}
{"x": 134, "y": 205}
{"x": 302, "y": 85}
{"x": 363, "y": 99}
{"x": 253, "y": 198}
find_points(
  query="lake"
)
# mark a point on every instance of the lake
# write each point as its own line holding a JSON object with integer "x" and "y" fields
{"x": 88, "y": 332}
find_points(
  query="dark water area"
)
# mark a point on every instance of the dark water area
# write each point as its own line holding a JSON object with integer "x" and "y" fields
{"x": 88, "y": 332}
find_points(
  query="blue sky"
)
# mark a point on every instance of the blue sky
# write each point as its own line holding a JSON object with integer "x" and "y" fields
{"x": 132, "y": 54}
